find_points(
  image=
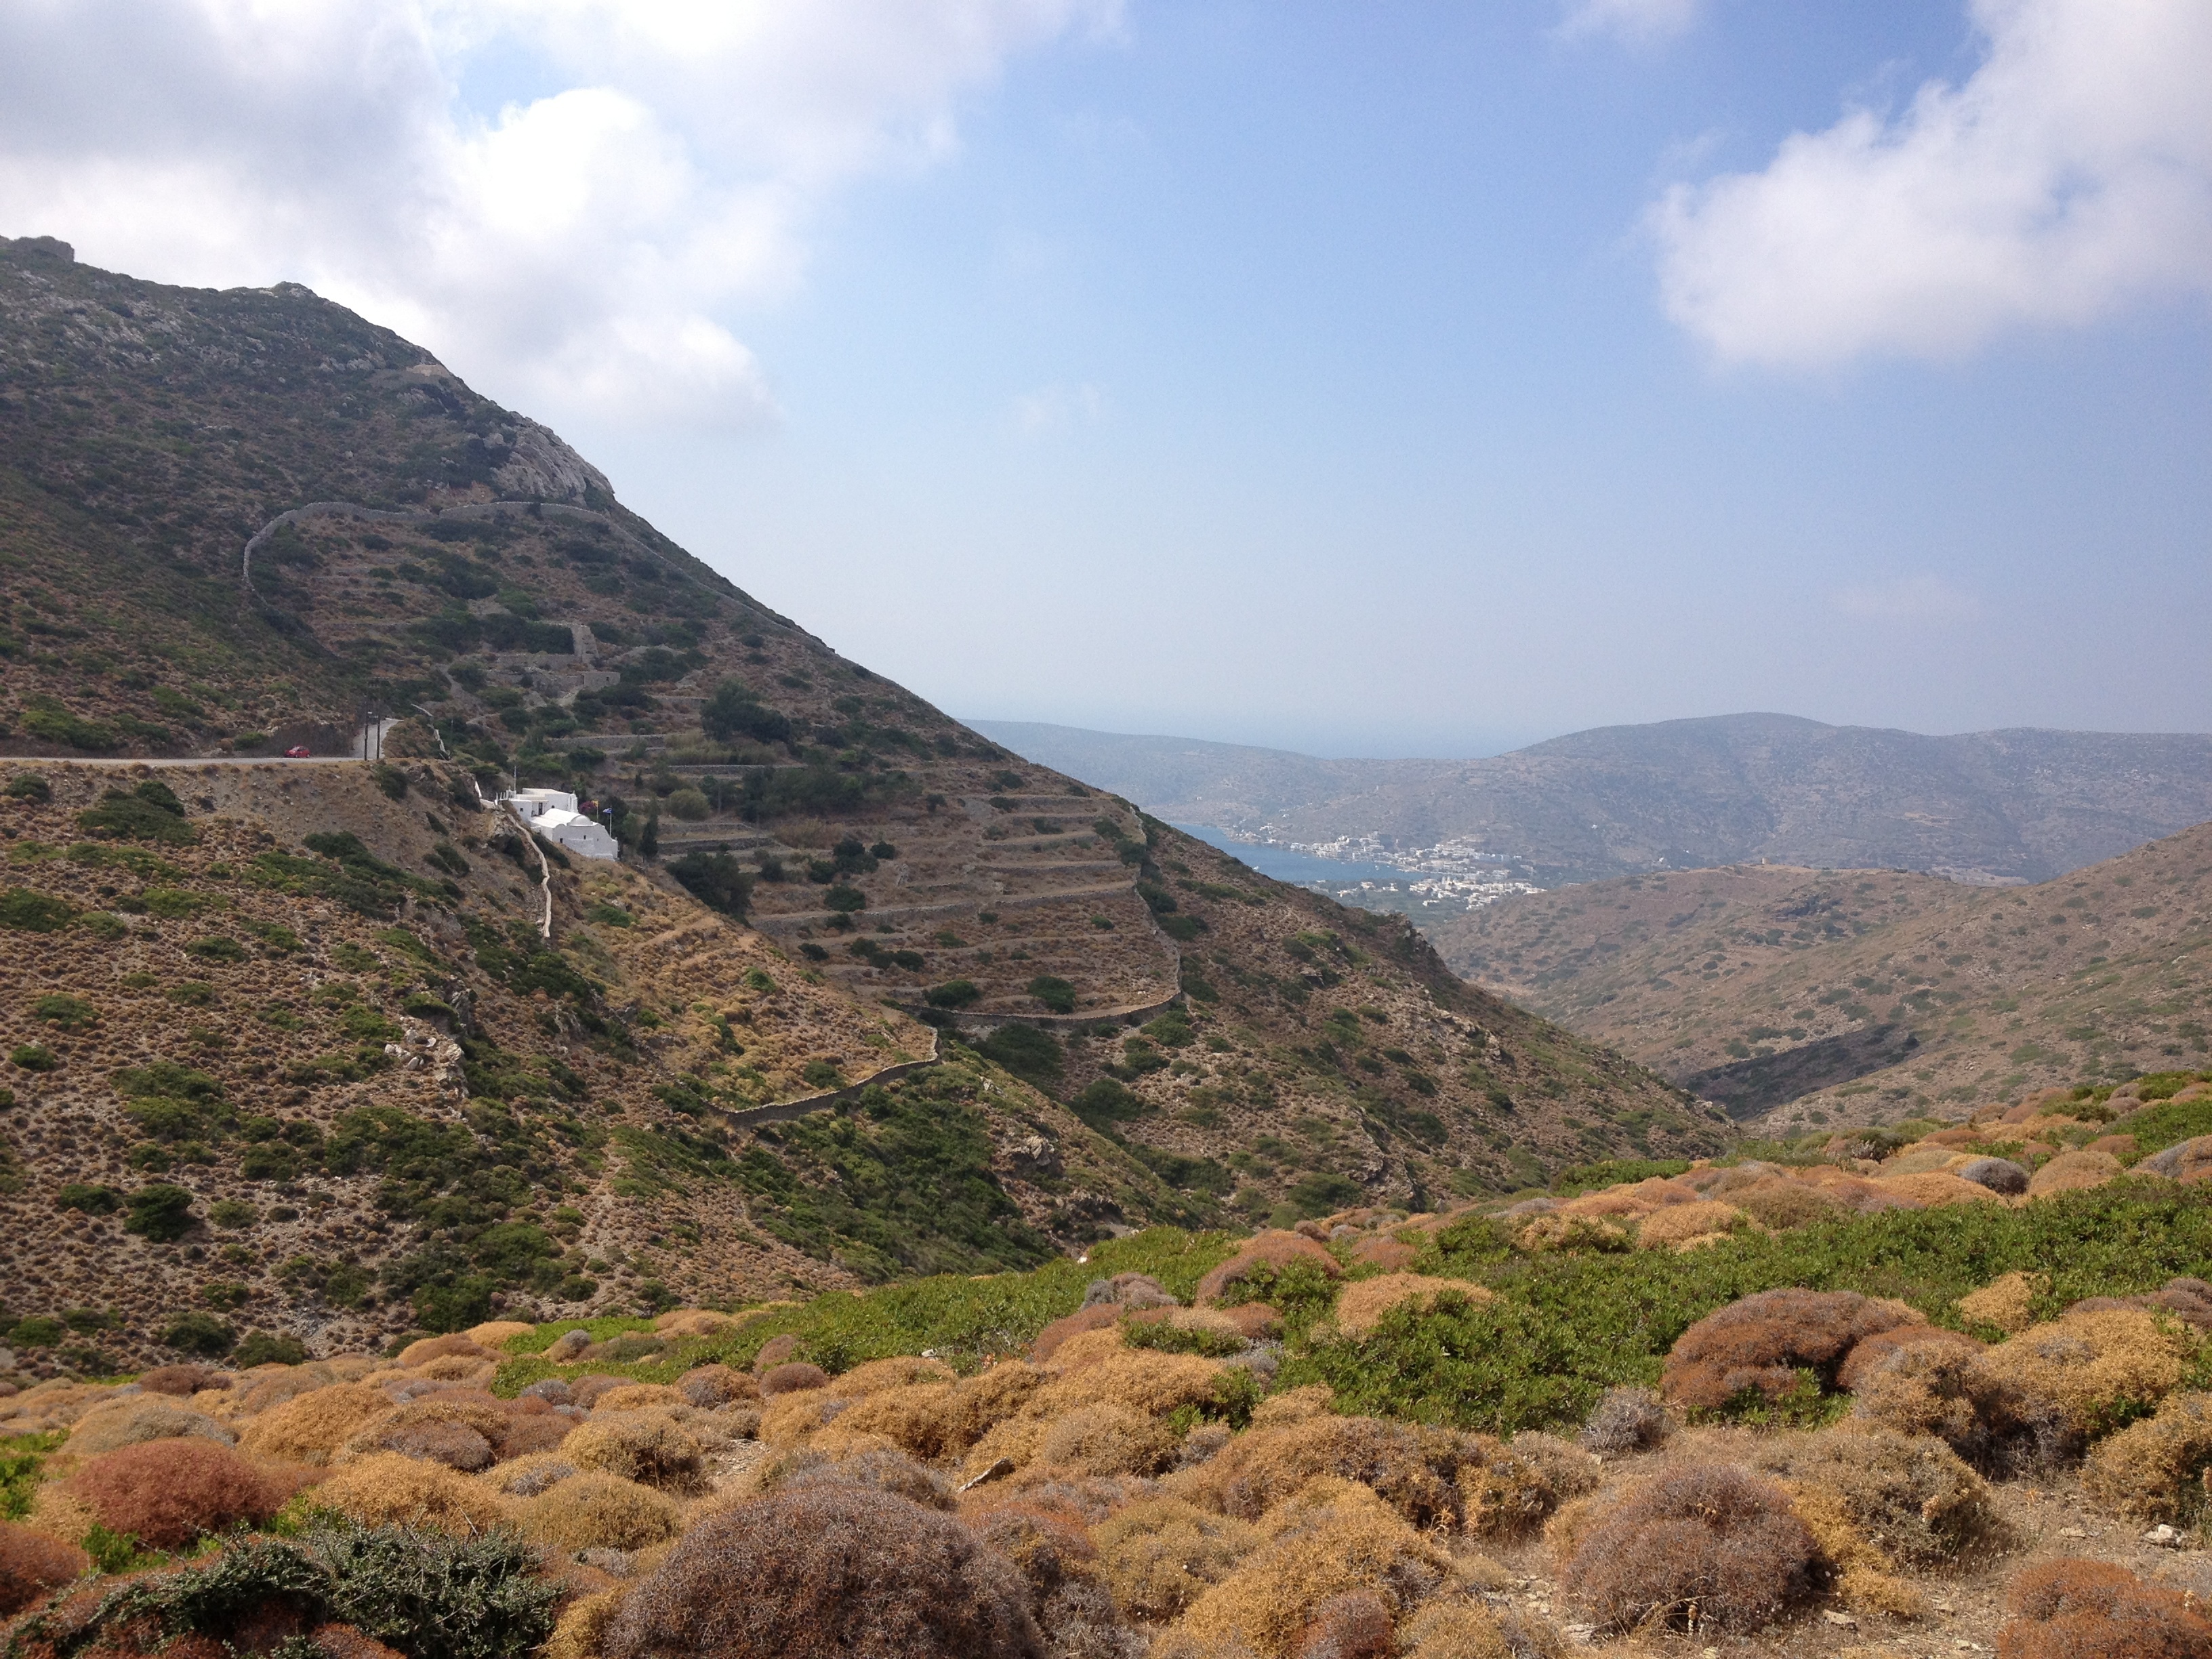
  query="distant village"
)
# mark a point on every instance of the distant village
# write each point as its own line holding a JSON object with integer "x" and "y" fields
{"x": 1454, "y": 876}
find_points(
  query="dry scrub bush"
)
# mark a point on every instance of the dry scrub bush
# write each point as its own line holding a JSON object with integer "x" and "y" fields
{"x": 1353, "y": 1626}
{"x": 1460, "y": 1628}
{"x": 2190, "y": 1161}
{"x": 2095, "y": 1370}
{"x": 914, "y": 1420}
{"x": 311, "y": 1427}
{"x": 2007, "y": 1303}
{"x": 1911, "y": 1493}
{"x": 581, "y": 1632}
{"x": 2090, "y": 1610}
{"x": 2154, "y": 1470}
{"x": 1144, "y": 1381}
{"x": 586, "y": 1391}
{"x": 598, "y": 1511}
{"x": 1784, "y": 1203}
{"x": 1158, "y": 1555}
{"x": 1545, "y": 1233}
{"x": 1759, "y": 1344}
{"x": 262, "y": 1390}
{"x": 1510, "y": 1490}
{"x": 1390, "y": 1254}
{"x": 2073, "y": 1172}
{"x": 1626, "y": 1420}
{"x": 1681, "y": 1222}
{"x": 1951, "y": 1394}
{"x": 708, "y": 1386}
{"x": 32, "y": 1564}
{"x": 134, "y": 1419}
{"x": 1410, "y": 1467}
{"x": 386, "y": 1490}
{"x": 777, "y": 1351}
{"x": 496, "y": 1333}
{"x": 648, "y": 1446}
{"x": 417, "y": 1354}
{"x": 1103, "y": 1316}
{"x": 1934, "y": 1189}
{"x": 878, "y": 1375}
{"x": 1703, "y": 1548}
{"x": 2189, "y": 1300}
{"x": 791, "y": 1378}
{"x": 183, "y": 1380}
{"x": 456, "y": 1445}
{"x": 636, "y": 1396}
{"x": 1104, "y": 1439}
{"x": 1335, "y": 1538}
{"x": 1272, "y": 1249}
{"x": 881, "y": 1469}
{"x": 1303, "y": 1405}
{"x": 1361, "y": 1306}
{"x": 693, "y": 1321}
{"x": 827, "y": 1571}
{"x": 1872, "y": 1354}
{"x": 1864, "y": 1576}
{"x": 528, "y": 1476}
{"x": 528, "y": 1434}
{"x": 168, "y": 1492}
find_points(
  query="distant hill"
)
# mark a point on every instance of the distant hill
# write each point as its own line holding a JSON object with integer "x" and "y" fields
{"x": 1845, "y": 995}
{"x": 1994, "y": 807}
{"x": 234, "y": 522}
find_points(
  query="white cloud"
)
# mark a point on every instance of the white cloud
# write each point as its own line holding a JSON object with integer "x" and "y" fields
{"x": 2069, "y": 177}
{"x": 1638, "y": 22}
{"x": 581, "y": 247}
{"x": 1908, "y": 599}
{"x": 1055, "y": 408}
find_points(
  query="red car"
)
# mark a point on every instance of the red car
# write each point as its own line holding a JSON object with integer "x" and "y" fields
{"x": 297, "y": 751}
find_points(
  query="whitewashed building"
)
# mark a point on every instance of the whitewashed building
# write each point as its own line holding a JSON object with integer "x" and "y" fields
{"x": 552, "y": 813}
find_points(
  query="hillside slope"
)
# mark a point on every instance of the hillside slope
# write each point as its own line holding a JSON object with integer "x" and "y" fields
{"x": 1738, "y": 788}
{"x": 363, "y": 535}
{"x": 1859, "y": 994}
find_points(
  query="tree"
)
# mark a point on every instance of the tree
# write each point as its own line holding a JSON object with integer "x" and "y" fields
{"x": 735, "y": 710}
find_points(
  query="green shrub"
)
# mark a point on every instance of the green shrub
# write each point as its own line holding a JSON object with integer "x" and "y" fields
{"x": 735, "y": 710}
{"x": 65, "y": 1013}
{"x": 1030, "y": 1055}
{"x": 390, "y": 780}
{"x": 30, "y": 787}
{"x": 1611, "y": 1172}
{"x": 31, "y": 912}
{"x": 91, "y": 1200}
{"x": 715, "y": 880}
{"x": 38, "y": 1331}
{"x": 1106, "y": 1102}
{"x": 48, "y": 721}
{"x": 231, "y": 1213}
{"x": 1056, "y": 993}
{"x": 260, "y": 1348}
{"x": 845, "y": 900}
{"x": 160, "y": 1213}
{"x": 953, "y": 994}
{"x": 33, "y": 1057}
{"x": 216, "y": 948}
{"x": 688, "y": 805}
{"x": 200, "y": 1334}
{"x": 138, "y": 816}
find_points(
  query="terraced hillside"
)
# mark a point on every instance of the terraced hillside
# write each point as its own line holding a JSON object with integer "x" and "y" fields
{"x": 1846, "y": 996}
{"x": 249, "y": 520}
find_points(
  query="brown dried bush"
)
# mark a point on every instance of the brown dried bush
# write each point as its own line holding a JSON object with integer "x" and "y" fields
{"x": 1361, "y": 1305}
{"x": 2007, "y": 1303}
{"x": 1951, "y": 1394}
{"x": 2091, "y": 1610}
{"x": 1911, "y": 1493}
{"x": 1160, "y": 1554}
{"x": 1355, "y": 1625}
{"x": 1104, "y": 1439}
{"x": 134, "y": 1419}
{"x": 1626, "y": 1420}
{"x": 1709, "y": 1546}
{"x": 1391, "y": 1255}
{"x": 32, "y": 1564}
{"x": 1334, "y": 1538}
{"x": 880, "y": 1470}
{"x": 708, "y": 1386}
{"x": 1103, "y": 1316}
{"x": 496, "y": 1333}
{"x": 182, "y": 1380}
{"x": 582, "y": 1630}
{"x": 828, "y": 1570}
{"x": 1510, "y": 1490}
{"x": 1267, "y": 1249}
{"x": 416, "y": 1354}
{"x": 1681, "y": 1223}
{"x": 536, "y": 1432}
{"x": 586, "y": 1391}
{"x": 648, "y": 1446}
{"x": 636, "y": 1396}
{"x": 791, "y": 1378}
{"x": 1784, "y": 1204}
{"x": 2073, "y": 1172}
{"x": 1872, "y": 1352}
{"x": 168, "y": 1492}
{"x": 528, "y": 1476}
{"x": 2154, "y": 1470}
{"x": 880, "y": 1376}
{"x": 263, "y": 1389}
{"x": 1460, "y": 1628}
{"x": 310, "y": 1427}
{"x": 2096, "y": 1369}
{"x": 2189, "y": 1300}
{"x": 386, "y": 1490}
{"x": 777, "y": 1351}
{"x": 456, "y": 1445}
{"x": 598, "y": 1511}
{"x": 1758, "y": 1345}
{"x": 1410, "y": 1467}
{"x": 1046, "y": 1543}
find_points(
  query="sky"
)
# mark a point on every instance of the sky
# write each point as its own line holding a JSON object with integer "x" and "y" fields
{"x": 1392, "y": 378}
